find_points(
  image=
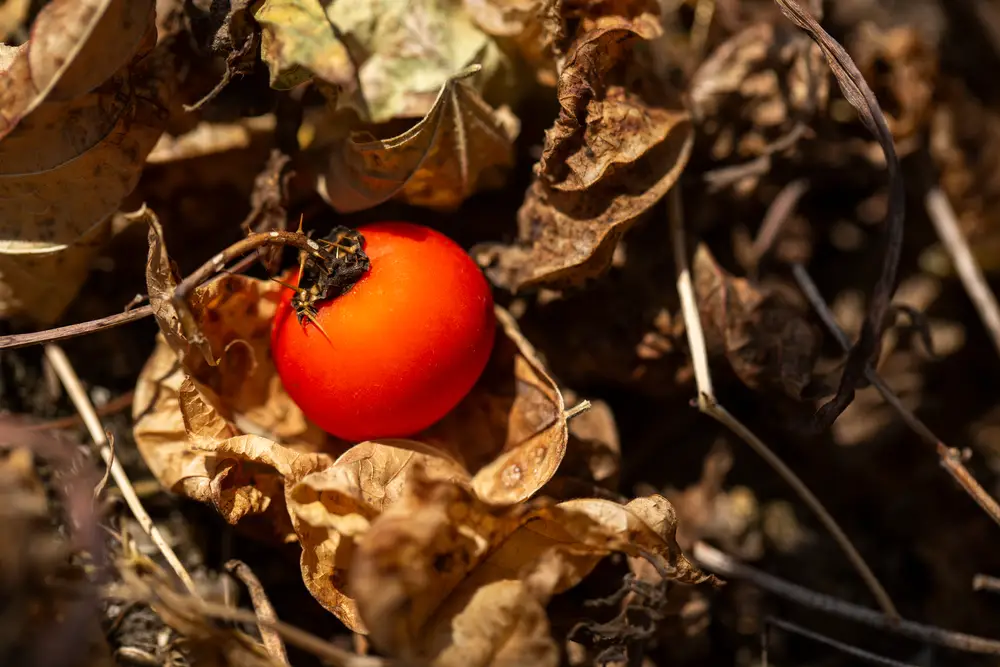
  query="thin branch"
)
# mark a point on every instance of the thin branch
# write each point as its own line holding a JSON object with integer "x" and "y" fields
{"x": 951, "y": 459}
{"x": 113, "y": 406}
{"x": 778, "y": 213}
{"x": 721, "y": 563}
{"x": 943, "y": 216}
{"x": 265, "y": 611}
{"x": 859, "y": 653}
{"x": 74, "y": 387}
{"x": 218, "y": 264}
{"x": 73, "y": 330}
{"x": 708, "y": 404}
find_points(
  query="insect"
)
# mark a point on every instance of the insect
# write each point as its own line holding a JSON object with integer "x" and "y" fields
{"x": 342, "y": 262}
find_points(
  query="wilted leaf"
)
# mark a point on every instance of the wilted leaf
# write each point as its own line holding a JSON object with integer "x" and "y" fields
{"x": 87, "y": 72}
{"x": 460, "y": 147}
{"x": 332, "y": 507}
{"x": 528, "y": 24}
{"x": 432, "y": 562}
{"x": 395, "y": 55}
{"x": 299, "y": 42}
{"x": 504, "y": 441}
{"x": 619, "y": 144}
{"x": 511, "y": 429}
{"x": 229, "y": 435}
{"x": 766, "y": 340}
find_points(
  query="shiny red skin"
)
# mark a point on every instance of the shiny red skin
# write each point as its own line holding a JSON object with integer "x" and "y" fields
{"x": 406, "y": 343}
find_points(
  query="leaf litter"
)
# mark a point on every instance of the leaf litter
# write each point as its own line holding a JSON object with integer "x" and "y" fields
{"x": 539, "y": 521}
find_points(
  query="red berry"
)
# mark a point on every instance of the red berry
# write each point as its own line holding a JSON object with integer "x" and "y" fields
{"x": 406, "y": 343}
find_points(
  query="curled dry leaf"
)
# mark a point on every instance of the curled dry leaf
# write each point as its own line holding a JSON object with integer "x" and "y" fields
{"x": 299, "y": 42}
{"x": 619, "y": 144}
{"x": 88, "y": 69}
{"x": 461, "y": 146}
{"x": 376, "y": 50}
{"x": 530, "y": 25}
{"x": 229, "y": 435}
{"x": 767, "y": 341}
{"x": 440, "y": 560}
{"x": 503, "y": 443}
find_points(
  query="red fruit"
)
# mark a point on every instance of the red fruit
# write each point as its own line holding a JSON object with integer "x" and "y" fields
{"x": 406, "y": 343}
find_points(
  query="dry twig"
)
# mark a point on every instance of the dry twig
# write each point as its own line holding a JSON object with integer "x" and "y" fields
{"x": 73, "y": 330}
{"x": 265, "y": 611}
{"x": 946, "y": 224}
{"x": 710, "y": 406}
{"x": 951, "y": 459}
{"x": 74, "y": 387}
{"x": 725, "y": 565}
{"x": 854, "y": 651}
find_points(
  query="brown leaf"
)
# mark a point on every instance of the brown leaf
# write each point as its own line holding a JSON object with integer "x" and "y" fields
{"x": 526, "y": 23}
{"x": 86, "y": 71}
{"x": 461, "y": 146}
{"x": 619, "y": 144}
{"x": 229, "y": 435}
{"x": 432, "y": 562}
{"x": 333, "y": 507}
{"x": 767, "y": 341}
{"x": 594, "y": 450}
{"x": 510, "y": 431}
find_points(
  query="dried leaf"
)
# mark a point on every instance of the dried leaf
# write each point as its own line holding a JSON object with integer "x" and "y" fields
{"x": 299, "y": 42}
{"x": 511, "y": 429}
{"x": 619, "y": 144}
{"x": 432, "y": 562}
{"x": 859, "y": 94}
{"x": 527, "y": 23}
{"x": 229, "y": 435}
{"x": 333, "y": 507}
{"x": 461, "y": 146}
{"x": 767, "y": 341}
{"x": 86, "y": 71}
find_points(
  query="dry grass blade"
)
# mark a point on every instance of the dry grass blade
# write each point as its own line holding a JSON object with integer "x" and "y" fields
{"x": 861, "y": 97}
{"x": 64, "y": 370}
{"x": 265, "y": 611}
{"x": 717, "y": 561}
{"x": 946, "y": 224}
{"x": 711, "y": 407}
